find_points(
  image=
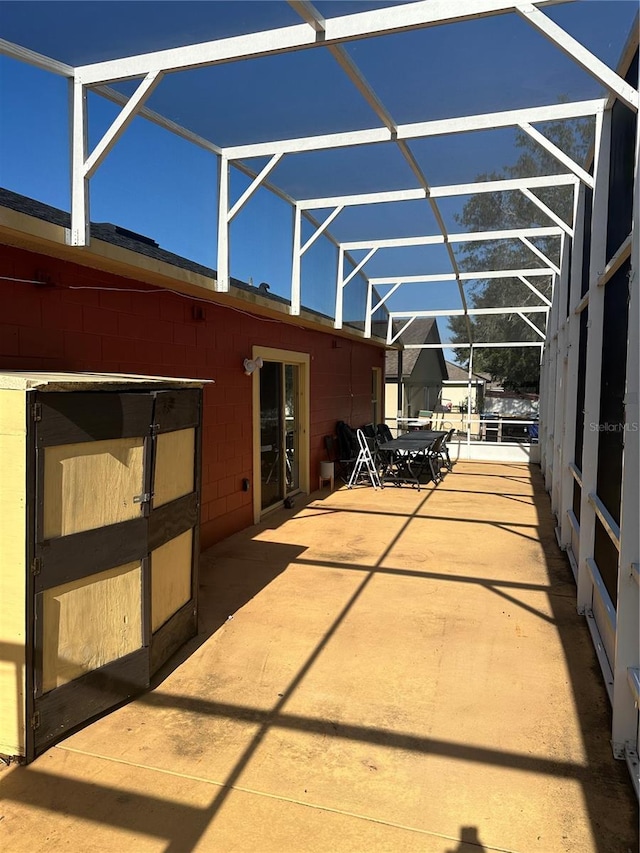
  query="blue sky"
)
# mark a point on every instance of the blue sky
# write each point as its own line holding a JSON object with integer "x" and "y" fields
{"x": 166, "y": 188}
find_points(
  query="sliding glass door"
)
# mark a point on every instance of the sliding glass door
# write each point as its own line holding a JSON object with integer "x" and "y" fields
{"x": 279, "y": 431}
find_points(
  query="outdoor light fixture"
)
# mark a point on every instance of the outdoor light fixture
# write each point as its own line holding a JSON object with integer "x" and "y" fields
{"x": 251, "y": 364}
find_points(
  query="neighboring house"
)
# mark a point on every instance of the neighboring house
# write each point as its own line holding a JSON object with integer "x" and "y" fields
{"x": 124, "y": 305}
{"x": 456, "y": 388}
{"x": 423, "y": 372}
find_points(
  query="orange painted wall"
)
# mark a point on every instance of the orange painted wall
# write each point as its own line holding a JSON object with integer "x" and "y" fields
{"x": 154, "y": 332}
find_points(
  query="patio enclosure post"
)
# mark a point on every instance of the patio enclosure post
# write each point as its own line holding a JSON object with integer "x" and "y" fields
{"x": 597, "y": 262}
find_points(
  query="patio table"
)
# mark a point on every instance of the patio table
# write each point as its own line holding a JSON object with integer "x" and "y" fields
{"x": 409, "y": 455}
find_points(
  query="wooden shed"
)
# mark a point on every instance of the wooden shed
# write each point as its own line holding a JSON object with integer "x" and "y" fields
{"x": 99, "y": 501}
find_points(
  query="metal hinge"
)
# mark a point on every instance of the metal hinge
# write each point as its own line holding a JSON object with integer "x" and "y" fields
{"x": 35, "y": 720}
{"x": 36, "y": 411}
{"x": 144, "y": 498}
{"x": 36, "y": 566}
{"x": 154, "y": 429}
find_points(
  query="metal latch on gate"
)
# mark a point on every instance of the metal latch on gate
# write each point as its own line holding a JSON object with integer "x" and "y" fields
{"x": 35, "y": 720}
{"x": 36, "y": 566}
{"x": 144, "y": 498}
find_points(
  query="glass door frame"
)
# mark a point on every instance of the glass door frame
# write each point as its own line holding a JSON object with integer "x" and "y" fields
{"x": 302, "y": 361}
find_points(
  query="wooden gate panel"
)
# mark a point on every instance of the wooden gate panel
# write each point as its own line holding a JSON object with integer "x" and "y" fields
{"x": 171, "y": 586}
{"x": 89, "y": 623}
{"x": 174, "y": 475}
{"x": 91, "y": 484}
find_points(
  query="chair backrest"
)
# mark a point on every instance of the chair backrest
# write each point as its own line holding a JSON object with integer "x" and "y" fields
{"x": 369, "y": 430}
{"x": 449, "y": 435}
{"x": 425, "y": 413}
{"x": 436, "y": 447}
{"x": 347, "y": 441}
{"x": 384, "y": 433}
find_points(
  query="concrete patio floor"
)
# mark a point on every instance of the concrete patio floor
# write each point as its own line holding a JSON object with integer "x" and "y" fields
{"x": 375, "y": 671}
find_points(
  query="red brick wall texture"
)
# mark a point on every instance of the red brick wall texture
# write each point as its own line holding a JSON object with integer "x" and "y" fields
{"x": 154, "y": 332}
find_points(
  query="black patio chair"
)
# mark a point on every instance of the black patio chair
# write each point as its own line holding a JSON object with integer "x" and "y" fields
{"x": 383, "y": 433}
{"x": 344, "y": 451}
{"x": 435, "y": 458}
{"x": 444, "y": 451}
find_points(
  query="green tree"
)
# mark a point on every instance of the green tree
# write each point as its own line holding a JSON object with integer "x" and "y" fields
{"x": 517, "y": 368}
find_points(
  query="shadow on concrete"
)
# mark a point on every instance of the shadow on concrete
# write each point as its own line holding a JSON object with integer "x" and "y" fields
{"x": 229, "y": 578}
{"x": 245, "y": 566}
{"x": 469, "y": 841}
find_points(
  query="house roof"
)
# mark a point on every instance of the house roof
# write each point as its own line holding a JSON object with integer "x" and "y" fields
{"x": 107, "y": 232}
{"x": 455, "y": 373}
{"x": 420, "y": 331}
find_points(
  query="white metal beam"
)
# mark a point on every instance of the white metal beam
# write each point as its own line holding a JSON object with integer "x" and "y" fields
{"x": 625, "y": 702}
{"x": 535, "y": 290}
{"x": 336, "y": 30}
{"x": 253, "y": 186}
{"x": 445, "y": 191}
{"x": 367, "y": 312}
{"x": 337, "y": 322}
{"x": 79, "y": 184}
{"x": 417, "y": 130}
{"x": 357, "y": 78}
{"x": 363, "y": 198}
{"x": 121, "y": 122}
{"x": 540, "y": 254}
{"x": 556, "y": 152}
{"x": 591, "y": 437}
{"x": 371, "y": 309}
{"x": 466, "y": 344}
{"x": 358, "y": 267}
{"x": 392, "y": 338}
{"x": 190, "y": 56}
{"x": 320, "y": 229}
{"x": 309, "y": 14}
{"x": 297, "y": 260}
{"x": 459, "y": 312}
{"x": 384, "y": 298}
{"x": 503, "y": 118}
{"x": 570, "y": 402}
{"x": 529, "y": 322}
{"x": 342, "y": 282}
{"x": 222, "y": 272}
{"x": 38, "y": 60}
{"x": 465, "y": 276}
{"x": 466, "y": 237}
{"x": 161, "y": 121}
{"x": 576, "y": 51}
{"x": 547, "y": 210}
